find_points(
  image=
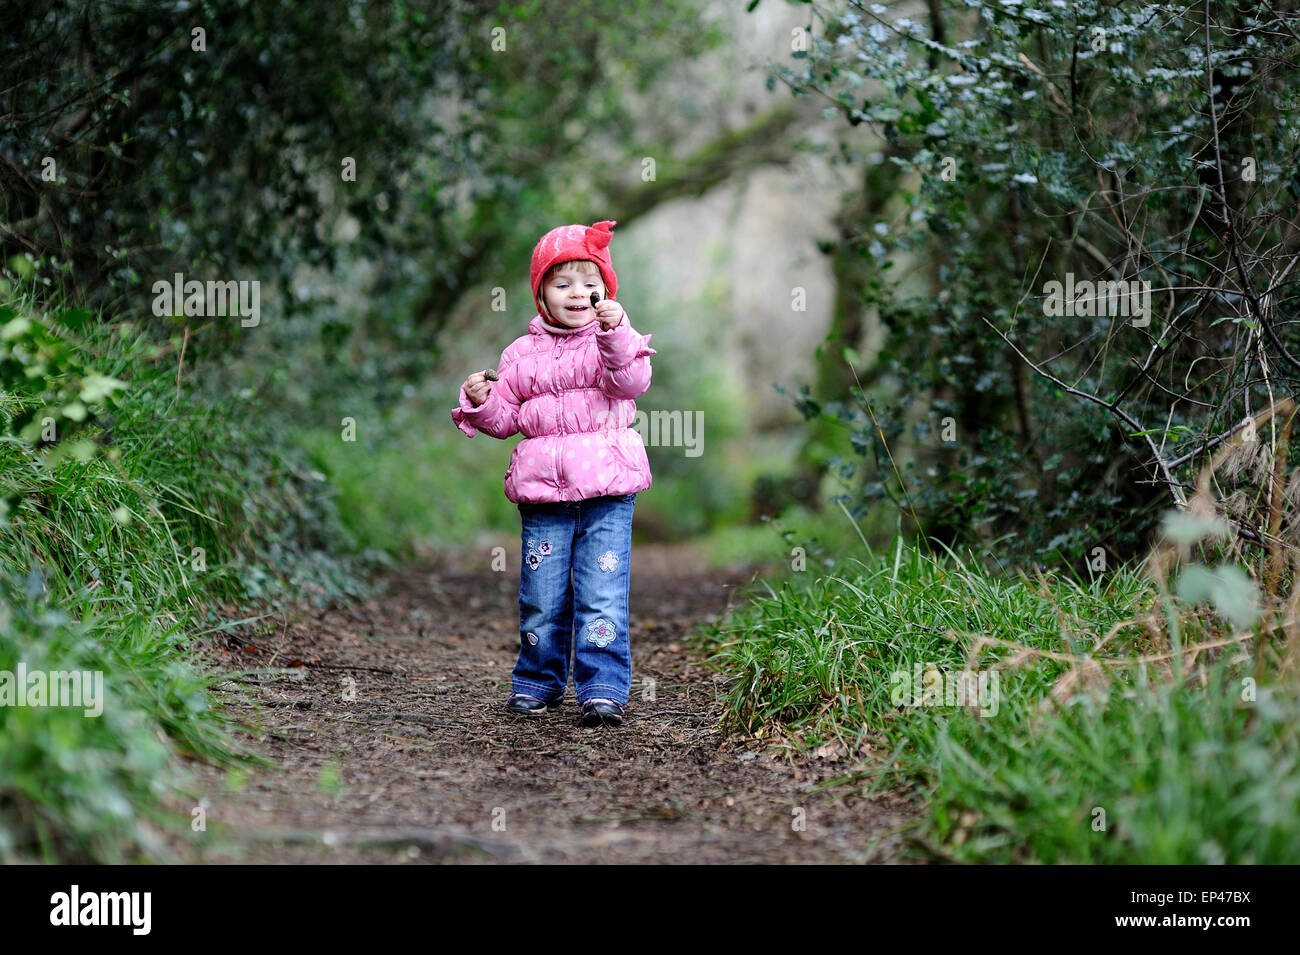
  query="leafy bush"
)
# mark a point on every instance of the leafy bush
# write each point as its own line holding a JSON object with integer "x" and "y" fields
{"x": 85, "y": 788}
{"x": 1068, "y": 143}
{"x": 112, "y": 558}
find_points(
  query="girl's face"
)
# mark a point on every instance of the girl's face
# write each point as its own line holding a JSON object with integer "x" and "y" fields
{"x": 567, "y": 297}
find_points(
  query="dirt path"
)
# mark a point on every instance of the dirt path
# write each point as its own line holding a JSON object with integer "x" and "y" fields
{"x": 425, "y": 766}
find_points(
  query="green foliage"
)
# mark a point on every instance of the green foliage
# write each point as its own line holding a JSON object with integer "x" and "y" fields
{"x": 51, "y": 394}
{"x": 222, "y": 153}
{"x": 1045, "y": 141}
{"x": 112, "y": 561}
{"x": 86, "y": 788}
{"x": 466, "y": 126}
{"x": 196, "y": 477}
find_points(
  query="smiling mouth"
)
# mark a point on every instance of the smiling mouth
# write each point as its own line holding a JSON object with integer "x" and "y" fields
{"x": 575, "y": 308}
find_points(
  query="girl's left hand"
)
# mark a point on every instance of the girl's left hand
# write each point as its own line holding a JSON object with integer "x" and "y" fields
{"x": 609, "y": 313}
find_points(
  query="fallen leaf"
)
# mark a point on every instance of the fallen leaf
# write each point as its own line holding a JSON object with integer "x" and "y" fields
{"x": 833, "y": 750}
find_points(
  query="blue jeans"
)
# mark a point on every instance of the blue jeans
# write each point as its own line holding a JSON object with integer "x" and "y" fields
{"x": 573, "y": 590}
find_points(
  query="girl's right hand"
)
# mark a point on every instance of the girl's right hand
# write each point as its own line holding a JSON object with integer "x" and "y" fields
{"x": 477, "y": 388}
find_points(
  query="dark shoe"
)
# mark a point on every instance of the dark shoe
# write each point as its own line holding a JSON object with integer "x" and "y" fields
{"x": 524, "y": 705}
{"x": 599, "y": 712}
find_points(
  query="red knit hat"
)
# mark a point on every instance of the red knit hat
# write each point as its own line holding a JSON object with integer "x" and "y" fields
{"x": 567, "y": 242}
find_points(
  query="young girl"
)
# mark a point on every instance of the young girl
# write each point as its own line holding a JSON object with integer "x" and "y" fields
{"x": 569, "y": 387}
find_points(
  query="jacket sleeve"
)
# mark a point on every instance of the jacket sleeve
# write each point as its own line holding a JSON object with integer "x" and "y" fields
{"x": 498, "y": 416}
{"x": 626, "y": 356}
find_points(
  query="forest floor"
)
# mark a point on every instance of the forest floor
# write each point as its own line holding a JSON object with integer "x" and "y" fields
{"x": 425, "y": 765}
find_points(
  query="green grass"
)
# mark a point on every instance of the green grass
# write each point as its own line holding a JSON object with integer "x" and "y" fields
{"x": 1146, "y": 769}
{"x": 1176, "y": 774}
{"x": 78, "y": 788}
{"x": 113, "y": 563}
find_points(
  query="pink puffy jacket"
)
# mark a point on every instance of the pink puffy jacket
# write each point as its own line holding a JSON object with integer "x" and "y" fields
{"x": 570, "y": 392}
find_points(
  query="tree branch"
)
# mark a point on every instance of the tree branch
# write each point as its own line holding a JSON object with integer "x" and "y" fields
{"x": 1174, "y": 487}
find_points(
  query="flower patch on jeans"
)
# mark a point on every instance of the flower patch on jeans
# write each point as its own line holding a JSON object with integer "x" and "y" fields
{"x": 536, "y": 551}
{"x": 608, "y": 561}
{"x": 600, "y": 632}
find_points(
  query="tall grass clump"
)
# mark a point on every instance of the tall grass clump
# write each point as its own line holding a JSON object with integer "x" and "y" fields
{"x": 1128, "y": 718}
{"x": 131, "y": 504}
